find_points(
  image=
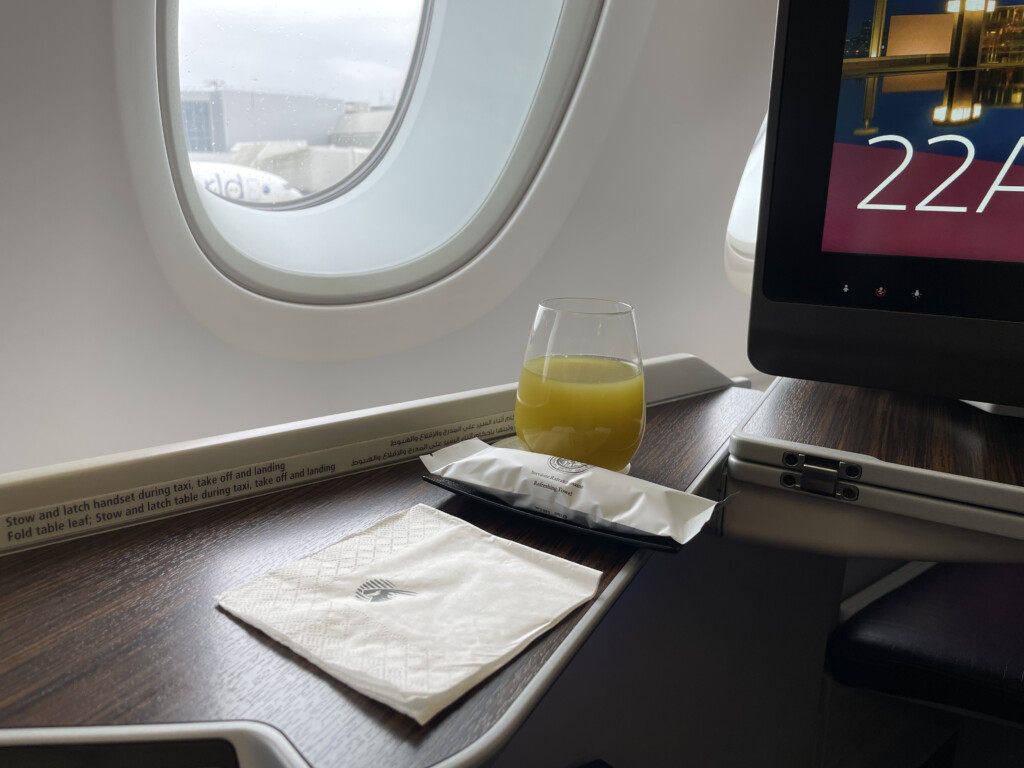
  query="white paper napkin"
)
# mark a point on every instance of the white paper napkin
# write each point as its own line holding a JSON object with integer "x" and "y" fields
{"x": 417, "y": 609}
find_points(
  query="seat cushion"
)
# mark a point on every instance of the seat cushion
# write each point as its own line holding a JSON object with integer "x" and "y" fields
{"x": 953, "y": 636}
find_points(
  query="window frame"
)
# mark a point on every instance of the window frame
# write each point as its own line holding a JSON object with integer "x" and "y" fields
{"x": 252, "y": 265}
{"x": 253, "y": 328}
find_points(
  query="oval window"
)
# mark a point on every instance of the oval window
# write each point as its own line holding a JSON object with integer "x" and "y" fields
{"x": 479, "y": 90}
{"x": 283, "y": 104}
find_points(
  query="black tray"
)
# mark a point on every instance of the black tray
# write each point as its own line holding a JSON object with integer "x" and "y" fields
{"x": 639, "y": 540}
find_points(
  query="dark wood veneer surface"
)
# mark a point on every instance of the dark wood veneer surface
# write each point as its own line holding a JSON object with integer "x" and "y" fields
{"x": 911, "y": 430}
{"x": 122, "y": 627}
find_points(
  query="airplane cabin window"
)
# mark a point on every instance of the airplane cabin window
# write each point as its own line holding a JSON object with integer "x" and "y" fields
{"x": 341, "y": 153}
{"x": 283, "y": 104}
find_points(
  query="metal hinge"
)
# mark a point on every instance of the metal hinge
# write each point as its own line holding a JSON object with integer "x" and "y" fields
{"x": 824, "y": 477}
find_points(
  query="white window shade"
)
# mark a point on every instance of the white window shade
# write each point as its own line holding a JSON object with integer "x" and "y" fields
{"x": 491, "y": 90}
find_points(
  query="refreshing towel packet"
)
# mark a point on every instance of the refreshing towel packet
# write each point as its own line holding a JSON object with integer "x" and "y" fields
{"x": 417, "y": 609}
{"x": 591, "y": 496}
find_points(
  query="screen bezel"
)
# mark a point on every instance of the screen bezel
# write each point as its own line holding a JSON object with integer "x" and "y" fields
{"x": 962, "y": 342}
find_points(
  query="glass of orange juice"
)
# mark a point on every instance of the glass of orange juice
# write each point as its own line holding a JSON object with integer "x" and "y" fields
{"x": 581, "y": 389}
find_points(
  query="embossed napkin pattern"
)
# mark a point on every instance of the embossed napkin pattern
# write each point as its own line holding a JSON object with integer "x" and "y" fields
{"x": 415, "y": 610}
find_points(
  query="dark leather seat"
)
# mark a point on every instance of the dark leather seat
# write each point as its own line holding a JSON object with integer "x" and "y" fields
{"x": 954, "y": 636}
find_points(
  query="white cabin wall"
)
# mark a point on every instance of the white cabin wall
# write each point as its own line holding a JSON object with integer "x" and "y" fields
{"x": 100, "y": 356}
{"x": 649, "y": 227}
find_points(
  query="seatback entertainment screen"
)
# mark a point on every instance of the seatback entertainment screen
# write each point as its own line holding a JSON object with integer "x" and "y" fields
{"x": 897, "y": 137}
{"x": 928, "y": 156}
{"x": 891, "y": 233}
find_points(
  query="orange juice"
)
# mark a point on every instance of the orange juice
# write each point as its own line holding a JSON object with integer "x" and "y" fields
{"x": 579, "y": 407}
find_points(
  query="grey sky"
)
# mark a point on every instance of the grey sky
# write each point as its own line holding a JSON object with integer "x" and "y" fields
{"x": 350, "y": 49}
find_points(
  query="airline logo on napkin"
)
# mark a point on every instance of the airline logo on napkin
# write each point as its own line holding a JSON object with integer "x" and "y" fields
{"x": 379, "y": 590}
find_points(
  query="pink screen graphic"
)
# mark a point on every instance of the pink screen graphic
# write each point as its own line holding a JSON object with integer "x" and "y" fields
{"x": 995, "y": 233}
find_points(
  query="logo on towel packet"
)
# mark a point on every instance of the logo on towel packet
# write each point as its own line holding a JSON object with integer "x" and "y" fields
{"x": 379, "y": 590}
{"x": 567, "y": 465}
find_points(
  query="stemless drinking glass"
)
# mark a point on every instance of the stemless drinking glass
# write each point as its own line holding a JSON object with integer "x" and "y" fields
{"x": 581, "y": 390}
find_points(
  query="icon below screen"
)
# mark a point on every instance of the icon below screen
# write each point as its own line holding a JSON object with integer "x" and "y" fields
{"x": 917, "y": 294}
{"x": 880, "y": 291}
